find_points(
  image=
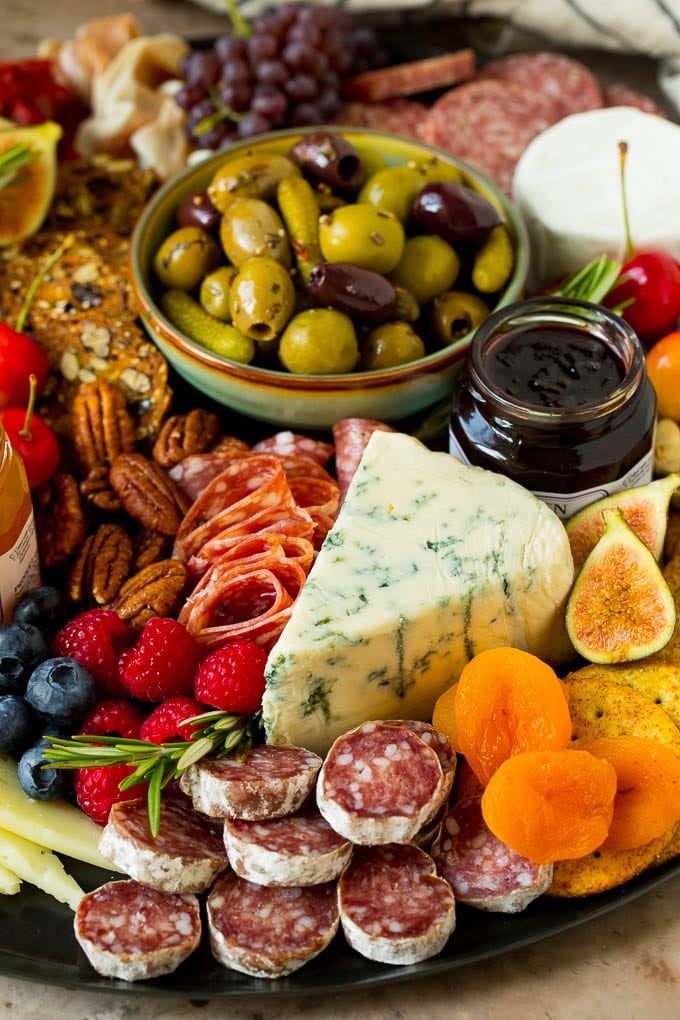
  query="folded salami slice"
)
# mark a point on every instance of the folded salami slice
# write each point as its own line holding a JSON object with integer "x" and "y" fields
{"x": 320, "y": 499}
{"x": 269, "y": 931}
{"x": 128, "y": 930}
{"x": 351, "y": 436}
{"x": 300, "y": 849}
{"x": 185, "y": 857}
{"x": 288, "y": 443}
{"x": 393, "y": 906}
{"x": 483, "y": 871}
{"x": 271, "y": 781}
{"x": 380, "y": 783}
{"x": 193, "y": 474}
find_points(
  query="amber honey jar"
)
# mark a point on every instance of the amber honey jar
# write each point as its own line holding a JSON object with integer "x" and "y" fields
{"x": 19, "y": 565}
{"x": 554, "y": 394}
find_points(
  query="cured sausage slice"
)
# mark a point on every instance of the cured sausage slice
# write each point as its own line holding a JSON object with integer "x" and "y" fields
{"x": 288, "y": 443}
{"x": 434, "y": 739}
{"x": 287, "y": 520}
{"x": 186, "y": 856}
{"x": 193, "y": 474}
{"x": 271, "y": 781}
{"x": 393, "y": 907}
{"x": 483, "y": 871}
{"x": 130, "y": 931}
{"x": 351, "y": 436}
{"x": 407, "y": 79}
{"x": 618, "y": 94}
{"x": 567, "y": 84}
{"x": 300, "y": 849}
{"x": 269, "y": 931}
{"x": 380, "y": 784}
{"x": 398, "y": 116}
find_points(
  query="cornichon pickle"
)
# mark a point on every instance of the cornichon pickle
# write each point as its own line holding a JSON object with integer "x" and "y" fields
{"x": 358, "y": 292}
{"x": 427, "y": 267}
{"x": 455, "y": 313}
{"x": 251, "y": 175}
{"x": 406, "y": 308}
{"x": 250, "y": 227}
{"x": 185, "y": 256}
{"x": 214, "y": 292}
{"x": 300, "y": 212}
{"x": 262, "y": 298}
{"x": 219, "y": 337}
{"x": 389, "y": 345}
{"x": 493, "y": 262}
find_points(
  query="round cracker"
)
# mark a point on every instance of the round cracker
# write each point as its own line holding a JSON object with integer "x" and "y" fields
{"x": 659, "y": 682}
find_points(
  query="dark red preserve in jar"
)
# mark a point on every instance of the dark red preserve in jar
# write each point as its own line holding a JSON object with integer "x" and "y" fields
{"x": 555, "y": 395}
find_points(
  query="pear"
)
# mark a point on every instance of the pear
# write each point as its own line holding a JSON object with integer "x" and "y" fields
{"x": 620, "y": 607}
{"x": 25, "y": 197}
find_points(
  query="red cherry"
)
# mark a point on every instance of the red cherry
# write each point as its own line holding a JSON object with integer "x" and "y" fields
{"x": 650, "y": 281}
{"x": 20, "y": 357}
{"x": 32, "y": 439}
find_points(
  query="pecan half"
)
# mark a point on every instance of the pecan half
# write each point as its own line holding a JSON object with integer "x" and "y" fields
{"x": 102, "y": 425}
{"x": 184, "y": 434}
{"x": 96, "y": 490}
{"x": 154, "y": 591}
{"x": 60, "y": 521}
{"x": 146, "y": 492}
{"x": 101, "y": 566}
{"x": 149, "y": 547}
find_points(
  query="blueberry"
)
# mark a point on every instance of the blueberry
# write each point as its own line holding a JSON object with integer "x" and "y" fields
{"x": 17, "y": 722}
{"x": 45, "y": 608}
{"x": 38, "y": 782}
{"x": 22, "y": 647}
{"x": 61, "y": 691}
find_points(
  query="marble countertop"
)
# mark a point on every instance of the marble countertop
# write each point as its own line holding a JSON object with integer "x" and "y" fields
{"x": 625, "y": 965}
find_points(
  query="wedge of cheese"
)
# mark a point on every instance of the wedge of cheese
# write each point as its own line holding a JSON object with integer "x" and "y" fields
{"x": 54, "y": 824}
{"x": 10, "y": 883}
{"x": 430, "y": 561}
{"x": 40, "y": 867}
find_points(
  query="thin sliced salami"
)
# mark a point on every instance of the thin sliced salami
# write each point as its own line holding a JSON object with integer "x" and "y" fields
{"x": 193, "y": 474}
{"x": 185, "y": 857}
{"x": 351, "y": 436}
{"x": 269, "y": 931}
{"x": 130, "y": 931}
{"x": 396, "y": 116}
{"x": 380, "y": 784}
{"x": 300, "y": 849}
{"x": 488, "y": 124}
{"x": 482, "y": 871}
{"x": 567, "y": 84}
{"x": 270, "y": 782}
{"x": 288, "y": 443}
{"x": 320, "y": 499}
{"x": 408, "y": 79}
{"x": 393, "y": 906}
{"x": 618, "y": 94}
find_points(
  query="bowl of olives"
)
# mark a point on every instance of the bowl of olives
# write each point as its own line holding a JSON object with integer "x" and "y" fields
{"x": 313, "y": 274}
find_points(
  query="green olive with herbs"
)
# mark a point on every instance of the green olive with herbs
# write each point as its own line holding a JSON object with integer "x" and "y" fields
{"x": 261, "y": 298}
{"x": 214, "y": 292}
{"x": 184, "y": 258}
{"x": 428, "y": 266}
{"x": 363, "y": 236}
{"x": 251, "y": 227}
{"x": 393, "y": 189}
{"x": 319, "y": 341}
{"x": 455, "y": 313}
{"x": 434, "y": 168}
{"x": 251, "y": 175}
{"x": 389, "y": 345}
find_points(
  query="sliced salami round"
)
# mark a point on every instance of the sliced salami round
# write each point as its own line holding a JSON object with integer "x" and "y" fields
{"x": 439, "y": 72}
{"x": 567, "y": 84}
{"x": 396, "y": 116}
{"x": 271, "y": 781}
{"x": 128, "y": 930}
{"x": 351, "y": 435}
{"x": 185, "y": 857}
{"x": 300, "y": 849}
{"x": 393, "y": 906}
{"x": 380, "y": 784}
{"x": 618, "y": 94}
{"x": 193, "y": 474}
{"x": 482, "y": 871}
{"x": 289, "y": 443}
{"x": 434, "y": 739}
{"x": 269, "y": 931}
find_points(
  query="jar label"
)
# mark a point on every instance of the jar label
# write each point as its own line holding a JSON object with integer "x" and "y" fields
{"x": 566, "y": 504}
{"x": 19, "y": 569}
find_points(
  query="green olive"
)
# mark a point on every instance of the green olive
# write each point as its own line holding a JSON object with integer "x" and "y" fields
{"x": 428, "y": 266}
{"x": 363, "y": 236}
{"x": 251, "y": 175}
{"x": 262, "y": 298}
{"x": 455, "y": 313}
{"x": 434, "y": 168}
{"x": 214, "y": 292}
{"x": 319, "y": 341}
{"x": 184, "y": 258}
{"x": 394, "y": 189}
{"x": 389, "y": 345}
{"x": 252, "y": 227}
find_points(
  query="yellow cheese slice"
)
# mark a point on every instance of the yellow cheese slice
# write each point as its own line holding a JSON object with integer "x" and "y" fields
{"x": 10, "y": 882}
{"x": 40, "y": 867}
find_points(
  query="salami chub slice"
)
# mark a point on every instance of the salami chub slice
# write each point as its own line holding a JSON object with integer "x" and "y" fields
{"x": 408, "y": 79}
{"x": 567, "y": 84}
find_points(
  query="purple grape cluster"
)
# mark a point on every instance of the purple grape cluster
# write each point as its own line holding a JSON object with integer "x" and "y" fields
{"x": 287, "y": 73}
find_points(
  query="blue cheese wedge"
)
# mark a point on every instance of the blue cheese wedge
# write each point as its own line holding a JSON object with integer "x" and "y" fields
{"x": 430, "y": 561}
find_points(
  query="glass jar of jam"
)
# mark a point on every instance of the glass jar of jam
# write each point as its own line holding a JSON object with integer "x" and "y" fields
{"x": 554, "y": 394}
{"x": 19, "y": 566}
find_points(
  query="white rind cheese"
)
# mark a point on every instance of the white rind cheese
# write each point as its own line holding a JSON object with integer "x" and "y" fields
{"x": 430, "y": 561}
{"x": 567, "y": 186}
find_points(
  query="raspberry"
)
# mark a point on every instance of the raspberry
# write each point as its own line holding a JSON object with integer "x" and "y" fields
{"x": 113, "y": 717}
{"x": 232, "y": 678}
{"x": 163, "y": 662}
{"x": 97, "y": 790}
{"x": 163, "y": 724}
{"x": 96, "y": 638}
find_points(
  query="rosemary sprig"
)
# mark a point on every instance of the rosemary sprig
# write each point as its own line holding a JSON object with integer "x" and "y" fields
{"x": 593, "y": 282}
{"x": 13, "y": 160}
{"x": 215, "y": 733}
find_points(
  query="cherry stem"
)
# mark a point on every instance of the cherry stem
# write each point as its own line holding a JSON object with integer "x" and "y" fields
{"x": 38, "y": 279}
{"x": 25, "y": 431}
{"x": 623, "y": 152}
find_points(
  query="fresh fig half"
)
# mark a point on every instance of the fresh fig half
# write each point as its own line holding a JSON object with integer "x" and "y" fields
{"x": 644, "y": 508}
{"x": 26, "y": 197}
{"x": 620, "y": 607}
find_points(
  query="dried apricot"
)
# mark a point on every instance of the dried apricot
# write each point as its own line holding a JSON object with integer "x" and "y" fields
{"x": 551, "y": 805}
{"x": 508, "y": 701}
{"x": 647, "y": 801}
{"x": 444, "y": 716}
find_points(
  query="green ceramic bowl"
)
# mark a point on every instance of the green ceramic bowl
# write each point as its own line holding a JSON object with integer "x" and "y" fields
{"x": 306, "y": 401}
